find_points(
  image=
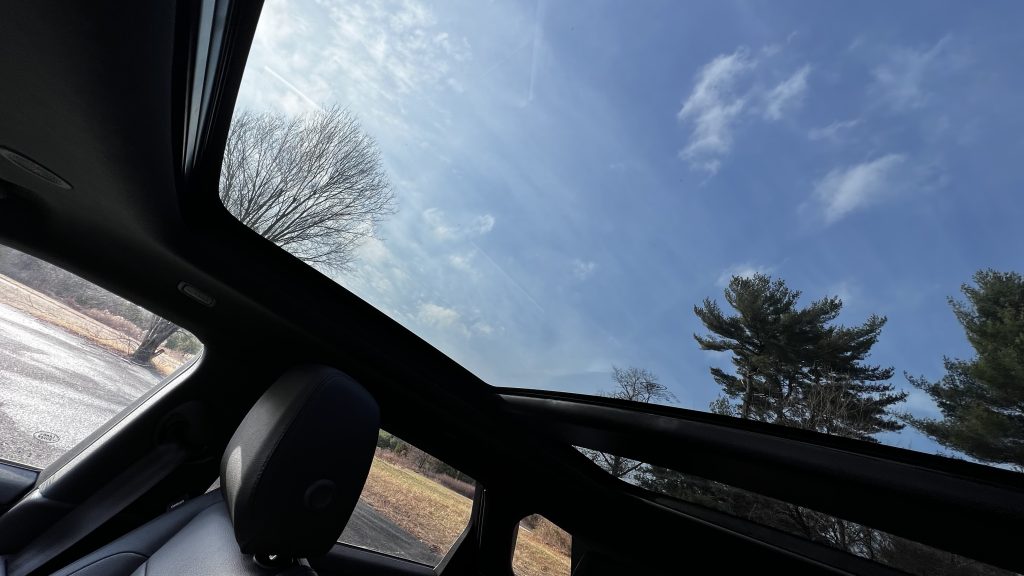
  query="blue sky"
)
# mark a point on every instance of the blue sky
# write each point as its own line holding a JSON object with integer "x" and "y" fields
{"x": 574, "y": 177}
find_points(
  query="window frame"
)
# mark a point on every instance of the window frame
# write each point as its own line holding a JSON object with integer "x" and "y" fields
{"x": 474, "y": 516}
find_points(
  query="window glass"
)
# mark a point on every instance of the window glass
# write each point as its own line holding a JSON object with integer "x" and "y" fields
{"x": 72, "y": 355}
{"x": 542, "y": 548}
{"x": 552, "y": 193}
{"x": 857, "y": 539}
{"x": 413, "y": 505}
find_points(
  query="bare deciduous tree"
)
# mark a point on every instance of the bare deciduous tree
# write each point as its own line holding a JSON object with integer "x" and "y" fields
{"x": 313, "y": 184}
{"x": 638, "y": 385}
{"x": 158, "y": 331}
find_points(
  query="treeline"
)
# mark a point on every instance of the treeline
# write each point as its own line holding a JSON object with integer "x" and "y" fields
{"x": 87, "y": 298}
{"x": 814, "y": 526}
{"x": 795, "y": 366}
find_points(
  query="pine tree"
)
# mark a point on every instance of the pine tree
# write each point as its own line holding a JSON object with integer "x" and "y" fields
{"x": 793, "y": 365}
{"x": 982, "y": 400}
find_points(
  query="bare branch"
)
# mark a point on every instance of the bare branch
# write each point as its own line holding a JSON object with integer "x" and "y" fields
{"x": 313, "y": 184}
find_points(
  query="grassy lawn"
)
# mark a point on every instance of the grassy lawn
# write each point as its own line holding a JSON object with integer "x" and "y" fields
{"x": 437, "y": 516}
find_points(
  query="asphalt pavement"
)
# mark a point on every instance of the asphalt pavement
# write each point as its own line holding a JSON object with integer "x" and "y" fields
{"x": 56, "y": 388}
{"x": 368, "y": 529}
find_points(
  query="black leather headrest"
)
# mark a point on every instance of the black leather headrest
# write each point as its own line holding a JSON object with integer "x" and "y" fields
{"x": 294, "y": 469}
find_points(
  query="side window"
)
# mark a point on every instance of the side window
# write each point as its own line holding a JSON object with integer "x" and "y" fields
{"x": 72, "y": 356}
{"x": 905, "y": 555}
{"x": 413, "y": 505}
{"x": 542, "y": 548}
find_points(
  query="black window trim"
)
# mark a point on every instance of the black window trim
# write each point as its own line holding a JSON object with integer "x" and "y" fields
{"x": 950, "y": 505}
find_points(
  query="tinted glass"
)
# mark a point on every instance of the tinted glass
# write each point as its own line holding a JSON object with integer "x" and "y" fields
{"x": 851, "y": 537}
{"x": 413, "y": 505}
{"x": 548, "y": 191}
{"x": 72, "y": 356}
{"x": 542, "y": 548}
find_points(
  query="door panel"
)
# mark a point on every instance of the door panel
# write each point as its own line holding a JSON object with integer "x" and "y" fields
{"x": 14, "y": 483}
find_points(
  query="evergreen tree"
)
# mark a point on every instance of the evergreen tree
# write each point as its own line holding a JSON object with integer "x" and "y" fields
{"x": 982, "y": 400}
{"x": 793, "y": 365}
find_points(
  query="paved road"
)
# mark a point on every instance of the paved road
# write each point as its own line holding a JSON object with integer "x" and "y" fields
{"x": 56, "y": 388}
{"x": 368, "y": 529}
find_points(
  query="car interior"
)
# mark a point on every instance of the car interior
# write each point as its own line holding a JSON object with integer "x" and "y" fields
{"x": 115, "y": 116}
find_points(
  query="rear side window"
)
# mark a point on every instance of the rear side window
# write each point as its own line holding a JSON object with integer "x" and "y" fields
{"x": 542, "y": 548}
{"x": 905, "y": 555}
{"x": 413, "y": 506}
{"x": 72, "y": 356}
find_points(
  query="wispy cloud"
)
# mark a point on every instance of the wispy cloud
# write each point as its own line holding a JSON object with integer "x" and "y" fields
{"x": 538, "y": 46}
{"x": 292, "y": 87}
{"x": 437, "y": 316}
{"x": 845, "y": 190}
{"x": 391, "y": 52}
{"x": 712, "y": 107}
{"x": 901, "y": 79}
{"x": 786, "y": 95}
{"x": 462, "y": 262}
{"x": 745, "y": 270}
{"x": 450, "y": 320}
{"x": 482, "y": 224}
{"x": 833, "y": 130}
{"x": 583, "y": 269}
{"x": 725, "y": 90}
{"x": 444, "y": 229}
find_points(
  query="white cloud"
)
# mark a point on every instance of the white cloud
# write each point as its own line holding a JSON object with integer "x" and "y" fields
{"x": 713, "y": 107}
{"x": 437, "y": 316}
{"x": 390, "y": 53}
{"x": 400, "y": 66}
{"x": 742, "y": 270}
{"x": 441, "y": 317}
{"x": 901, "y": 80}
{"x": 583, "y": 269}
{"x": 443, "y": 229}
{"x": 482, "y": 224}
{"x": 462, "y": 262}
{"x": 787, "y": 95}
{"x": 394, "y": 44}
{"x": 724, "y": 89}
{"x": 833, "y": 130}
{"x": 374, "y": 250}
{"x": 845, "y": 190}
{"x": 483, "y": 328}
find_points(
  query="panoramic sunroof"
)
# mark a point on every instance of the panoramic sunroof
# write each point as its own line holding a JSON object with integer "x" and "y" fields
{"x": 799, "y": 213}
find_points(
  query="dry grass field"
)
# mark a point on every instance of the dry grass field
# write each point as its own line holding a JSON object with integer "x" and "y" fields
{"x": 47, "y": 309}
{"x": 437, "y": 516}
